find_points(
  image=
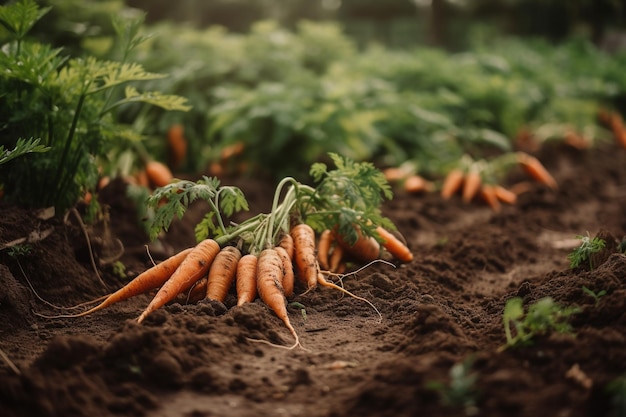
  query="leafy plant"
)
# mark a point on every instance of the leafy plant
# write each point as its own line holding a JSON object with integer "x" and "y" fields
{"x": 22, "y": 147}
{"x": 543, "y": 316}
{"x": 582, "y": 253}
{"x": 461, "y": 390}
{"x": 69, "y": 103}
{"x": 595, "y": 295}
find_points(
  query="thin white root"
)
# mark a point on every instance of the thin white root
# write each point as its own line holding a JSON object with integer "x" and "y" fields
{"x": 9, "y": 362}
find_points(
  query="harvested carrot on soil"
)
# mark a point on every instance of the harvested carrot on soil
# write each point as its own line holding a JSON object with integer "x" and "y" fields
{"x": 304, "y": 253}
{"x": 365, "y": 249}
{"x": 505, "y": 195}
{"x": 336, "y": 258}
{"x": 417, "y": 184}
{"x": 193, "y": 267}
{"x": 269, "y": 278}
{"x": 324, "y": 243}
{"x": 618, "y": 129}
{"x": 222, "y": 273}
{"x": 286, "y": 242}
{"x": 197, "y": 292}
{"x": 159, "y": 175}
{"x": 488, "y": 194}
{"x": 177, "y": 144}
{"x": 246, "y": 279}
{"x": 395, "y": 246}
{"x": 288, "y": 274}
{"x": 536, "y": 170}
{"x": 393, "y": 174}
{"x": 471, "y": 185}
{"x": 148, "y": 280}
{"x": 452, "y": 183}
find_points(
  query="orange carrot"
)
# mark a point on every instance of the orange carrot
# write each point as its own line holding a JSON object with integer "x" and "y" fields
{"x": 270, "y": 289}
{"x": 222, "y": 273}
{"x": 148, "y": 280}
{"x": 304, "y": 254}
{"x": 471, "y": 186}
{"x": 230, "y": 151}
{"x": 536, "y": 170}
{"x": 452, "y": 183}
{"x": 286, "y": 242}
{"x": 323, "y": 248}
{"x": 365, "y": 249}
{"x": 288, "y": 274}
{"x": 618, "y": 129}
{"x": 417, "y": 184}
{"x": 395, "y": 246}
{"x": 505, "y": 195}
{"x": 246, "y": 279}
{"x": 393, "y": 174}
{"x": 197, "y": 292}
{"x": 193, "y": 267}
{"x": 336, "y": 258}
{"x": 177, "y": 144}
{"x": 158, "y": 174}
{"x": 489, "y": 195}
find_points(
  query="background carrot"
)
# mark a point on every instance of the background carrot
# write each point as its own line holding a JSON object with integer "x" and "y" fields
{"x": 288, "y": 274}
{"x": 488, "y": 194}
{"x": 159, "y": 175}
{"x": 505, "y": 195}
{"x": 536, "y": 170}
{"x": 452, "y": 183}
{"x": 395, "y": 246}
{"x": 304, "y": 254}
{"x": 365, "y": 249}
{"x": 269, "y": 278}
{"x": 222, "y": 273}
{"x": 336, "y": 257}
{"x": 148, "y": 280}
{"x": 471, "y": 185}
{"x": 417, "y": 184}
{"x": 246, "y": 279}
{"x": 323, "y": 248}
{"x": 177, "y": 144}
{"x": 193, "y": 267}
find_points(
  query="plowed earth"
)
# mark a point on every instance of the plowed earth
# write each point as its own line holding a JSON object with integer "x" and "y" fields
{"x": 442, "y": 309}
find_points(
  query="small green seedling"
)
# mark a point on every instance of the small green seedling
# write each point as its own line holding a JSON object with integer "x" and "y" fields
{"x": 582, "y": 253}
{"x": 296, "y": 304}
{"x": 461, "y": 391}
{"x": 596, "y": 295}
{"x": 543, "y": 316}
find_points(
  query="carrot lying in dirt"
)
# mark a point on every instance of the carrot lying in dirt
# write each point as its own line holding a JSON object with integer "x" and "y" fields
{"x": 536, "y": 170}
{"x": 304, "y": 254}
{"x": 159, "y": 175}
{"x": 414, "y": 184}
{"x": 471, "y": 185}
{"x": 452, "y": 183}
{"x": 336, "y": 258}
{"x": 394, "y": 246}
{"x": 246, "y": 279}
{"x": 505, "y": 195}
{"x": 222, "y": 273}
{"x": 365, "y": 249}
{"x": 197, "y": 291}
{"x": 324, "y": 243}
{"x": 177, "y": 144}
{"x": 193, "y": 267}
{"x": 269, "y": 287}
{"x": 146, "y": 281}
{"x": 286, "y": 242}
{"x": 616, "y": 123}
{"x": 488, "y": 194}
{"x": 288, "y": 274}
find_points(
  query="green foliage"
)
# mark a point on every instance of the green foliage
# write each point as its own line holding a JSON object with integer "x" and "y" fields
{"x": 583, "y": 253}
{"x": 595, "y": 295}
{"x": 543, "y": 316}
{"x": 69, "y": 104}
{"x": 460, "y": 391}
{"x": 22, "y": 147}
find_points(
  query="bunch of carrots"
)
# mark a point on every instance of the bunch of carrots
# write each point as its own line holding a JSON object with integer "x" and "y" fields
{"x": 263, "y": 256}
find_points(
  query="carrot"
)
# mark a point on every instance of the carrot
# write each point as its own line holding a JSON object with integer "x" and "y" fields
{"x": 158, "y": 174}
{"x": 304, "y": 254}
{"x": 288, "y": 274}
{"x": 286, "y": 242}
{"x": 618, "y": 129}
{"x": 177, "y": 144}
{"x": 471, "y": 186}
{"x": 246, "y": 279}
{"x": 536, "y": 170}
{"x": 148, "y": 280}
{"x": 365, "y": 249}
{"x": 323, "y": 248}
{"x": 505, "y": 195}
{"x": 232, "y": 150}
{"x": 417, "y": 184}
{"x": 395, "y": 246}
{"x": 452, "y": 183}
{"x": 197, "y": 292}
{"x": 393, "y": 174}
{"x": 336, "y": 258}
{"x": 193, "y": 267}
{"x": 270, "y": 289}
{"x": 222, "y": 273}
{"x": 488, "y": 194}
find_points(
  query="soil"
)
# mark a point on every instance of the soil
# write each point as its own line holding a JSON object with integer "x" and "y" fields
{"x": 442, "y": 310}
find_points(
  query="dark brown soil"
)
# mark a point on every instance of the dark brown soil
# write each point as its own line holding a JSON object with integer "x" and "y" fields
{"x": 442, "y": 309}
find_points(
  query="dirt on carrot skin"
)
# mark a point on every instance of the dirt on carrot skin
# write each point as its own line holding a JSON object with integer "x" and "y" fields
{"x": 442, "y": 309}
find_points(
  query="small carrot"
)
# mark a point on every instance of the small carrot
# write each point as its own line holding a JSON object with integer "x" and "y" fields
{"x": 336, "y": 258}
{"x": 222, "y": 273}
{"x": 505, "y": 195}
{"x": 536, "y": 170}
{"x": 393, "y": 174}
{"x": 365, "y": 249}
{"x": 193, "y": 267}
{"x": 304, "y": 254}
{"x": 489, "y": 195}
{"x": 158, "y": 174}
{"x": 246, "y": 279}
{"x": 288, "y": 274}
{"x": 414, "y": 184}
{"x": 148, "y": 280}
{"x": 286, "y": 242}
{"x": 323, "y": 248}
{"x": 177, "y": 144}
{"x": 618, "y": 129}
{"x": 230, "y": 151}
{"x": 471, "y": 185}
{"x": 197, "y": 292}
{"x": 452, "y": 183}
{"x": 394, "y": 246}
{"x": 269, "y": 287}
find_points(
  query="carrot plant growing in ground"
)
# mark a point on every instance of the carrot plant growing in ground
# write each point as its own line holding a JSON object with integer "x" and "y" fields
{"x": 69, "y": 104}
{"x": 584, "y": 252}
